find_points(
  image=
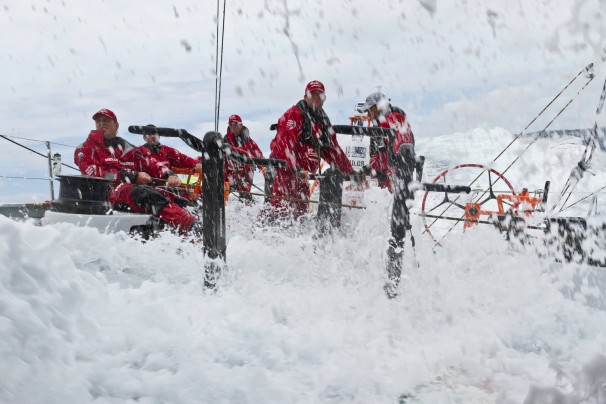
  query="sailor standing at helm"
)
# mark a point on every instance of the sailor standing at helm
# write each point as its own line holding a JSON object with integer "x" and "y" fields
{"x": 392, "y": 163}
{"x": 385, "y": 115}
{"x": 305, "y": 135}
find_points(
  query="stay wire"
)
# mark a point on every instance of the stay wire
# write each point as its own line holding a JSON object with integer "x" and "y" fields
{"x": 262, "y": 190}
{"x": 525, "y": 149}
{"x": 585, "y": 161}
{"x": 544, "y": 109}
{"x": 217, "y": 70}
{"x": 23, "y": 178}
{"x": 583, "y": 198}
{"x": 516, "y": 138}
{"x": 221, "y": 68}
{"x": 290, "y": 199}
{"x": 35, "y": 152}
{"x": 38, "y": 140}
{"x": 520, "y": 134}
{"x": 293, "y": 199}
{"x": 547, "y": 126}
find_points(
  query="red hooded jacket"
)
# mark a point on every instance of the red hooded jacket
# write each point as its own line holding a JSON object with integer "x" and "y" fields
{"x": 301, "y": 151}
{"x": 287, "y": 145}
{"x": 240, "y": 175}
{"x": 379, "y": 161}
{"x": 159, "y": 160}
{"x": 95, "y": 159}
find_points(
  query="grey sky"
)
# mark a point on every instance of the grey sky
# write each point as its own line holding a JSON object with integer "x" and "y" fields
{"x": 451, "y": 65}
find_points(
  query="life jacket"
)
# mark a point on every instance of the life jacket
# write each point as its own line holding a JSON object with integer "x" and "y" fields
{"x": 380, "y": 144}
{"x": 389, "y": 110}
{"x": 241, "y": 138}
{"x": 153, "y": 148}
{"x": 118, "y": 143}
{"x": 311, "y": 117}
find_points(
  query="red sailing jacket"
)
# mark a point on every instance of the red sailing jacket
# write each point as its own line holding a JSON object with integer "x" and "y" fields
{"x": 95, "y": 159}
{"x": 288, "y": 146}
{"x": 379, "y": 161}
{"x": 397, "y": 120}
{"x": 158, "y": 161}
{"x": 239, "y": 174}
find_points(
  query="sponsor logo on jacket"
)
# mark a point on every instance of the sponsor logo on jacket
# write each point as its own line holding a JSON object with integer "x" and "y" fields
{"x": 312, "y": 155}
{"x": 111, "y": 160}
{"x": 114, "y": 162}
{"x": 291, "y": 124}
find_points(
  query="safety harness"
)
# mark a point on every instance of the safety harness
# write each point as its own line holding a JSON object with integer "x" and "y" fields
{"x": 311, "y": 117}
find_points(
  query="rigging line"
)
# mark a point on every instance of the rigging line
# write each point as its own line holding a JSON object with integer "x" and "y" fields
{"x": 585, "y": 162}
{"x": 585, "y": 197}
{"x": 523, "y": 151}
{"x": 287, "y": 198}
{"x": 534, "y": 191}
{"x": 565, "y": 190}
{"x": 217, "y": 70}
{"x": 543, "y": 110}
{"x": 262, "y": 190}
{"x": 221, "y": 67}
{"x": 494, "y": 223}
{"x": 555, "y": 191}
{"x": 35, "y": 152}
{"x": 37, "y": 140}
{"x": 527, "y": 126}
{"x": 23, "y": 178}
{"x": 547, "y": 126}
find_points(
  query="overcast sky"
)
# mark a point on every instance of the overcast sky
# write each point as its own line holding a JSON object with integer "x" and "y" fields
{"x": 451, "y": 65}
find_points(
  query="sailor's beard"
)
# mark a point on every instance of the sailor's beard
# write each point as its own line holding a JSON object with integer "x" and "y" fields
{"x": 108, "y": 133}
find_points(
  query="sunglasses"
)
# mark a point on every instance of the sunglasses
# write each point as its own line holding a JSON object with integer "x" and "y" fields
{"x": 311, "y": 94}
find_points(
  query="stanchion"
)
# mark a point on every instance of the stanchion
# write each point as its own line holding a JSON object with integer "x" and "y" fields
{"x": 270, "y": 174}
{"x": 50, "y": 170}
{"x": 213, "y": 209}
{"x": 331, "y": 195}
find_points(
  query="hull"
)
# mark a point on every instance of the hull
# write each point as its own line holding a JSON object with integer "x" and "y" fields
{"x": 24, "y": 210}
{"x": 83, "y": 202}
{"x": 578, "y": 240}
{"x": 130, "y": 223}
